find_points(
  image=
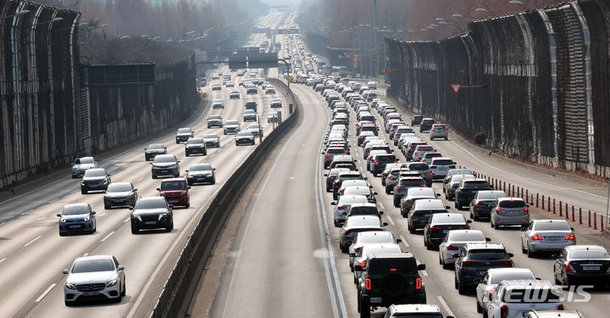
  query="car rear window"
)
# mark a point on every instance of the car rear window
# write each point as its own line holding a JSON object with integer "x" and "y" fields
{"x": 412, "y": 182}
{"x": 402, "y": 265}
{"x": 363, "y": 210}
{"x": 424, "y": 148}
{"x": 512, "y": 204}
{"x": 336, "y": 150}
{"x": 448, "y": 219}
{"x": 487, "y": 254}
{"x": 386, "y": 158}
{"x": 173, "y": 185}
{"x": 498, "y": 277}
{"x": 551, "y": 226}
{"x": 419, "y": 166}
{"x": 443, "y": 162}
{"x": 476, "y": 185}
{"x": 589, "y": 254}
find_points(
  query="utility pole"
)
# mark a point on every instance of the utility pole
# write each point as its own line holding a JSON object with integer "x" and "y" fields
{"x": 375, "y": 44}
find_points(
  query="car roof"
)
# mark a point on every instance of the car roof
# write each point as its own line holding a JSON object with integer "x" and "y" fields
{"x": 525, "y": 282}
{"x": 508, "y": 270}
{"x": 93, "y": 257}
{"x": 173, "y": 180}
{"x": 369, "y": 205}
{"x": 414, "y": 308}
{"x": 572, "y": 248}
{"x": 483, "y": 246}
{"x": 428, "y": 204}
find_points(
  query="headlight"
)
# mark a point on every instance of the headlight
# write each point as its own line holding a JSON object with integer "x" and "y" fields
{"x": 62, "y": 220}
{"x": 136, "y": 216}
{"x": 74, "y": 168}
{"x": 86, "y": 218}
{"x": 111, "y": 283}
{"x": 162, "y": 215}
{"x": 70, "y": 286}
{"x": 82, "y": 183}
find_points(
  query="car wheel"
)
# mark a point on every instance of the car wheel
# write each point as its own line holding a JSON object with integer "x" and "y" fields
{"x": 61, "y": 233}
{"x": 154, "y": 177}
{"x": 557, "y": 281}
{"x": 188, "y": 205}
{"x": 396, "y": 204}
{"x": 455, "y": 282}
{"x": 186, "y": 154}
{"x": 190, "y": 183}
{"x": 213, "y": 181}
{"x": 411, "y": 229}
{"x": 388, "y": 191}
{"x": 83, "y": 191}
{"x": 461, "y": 289}
{"x": 134, "y": 229}
{"x": 67, "y": 303}
{"x": 440, "y": 260}
{"x": 176, "y": 175}
{"x": 523, "y": 250}
{"x": 455, "y": 205}
{"x": 479, "y": 307}
{"x": 491, "y": 223}
{"x": 530, "y": 253}
{"x": 169, "y": 228}
{"x": 106, "y": 207}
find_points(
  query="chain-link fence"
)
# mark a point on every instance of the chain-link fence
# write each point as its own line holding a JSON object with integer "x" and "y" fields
{"x": 534, "y": 83}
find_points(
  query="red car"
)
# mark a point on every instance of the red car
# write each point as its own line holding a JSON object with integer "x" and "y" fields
{"x": 175, "y": 191}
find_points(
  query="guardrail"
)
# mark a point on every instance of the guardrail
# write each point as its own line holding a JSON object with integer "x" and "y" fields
{"x": 184, "y": 277}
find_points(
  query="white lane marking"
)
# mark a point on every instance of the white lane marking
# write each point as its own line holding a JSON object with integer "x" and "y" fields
{"x": 381, "y": 206}
{"x": 47, "y": 291}
{"x": 2, "y": 260}
{"x": 404, "y": 240}
{"x": 391, "y": 221}
{"x": 424, "y": 273}
{"x": 107, "y": 236}
{"x": 126, "y": 220}
{"x": 54, "y": 200}
{"x": 32, "y": 241}
{"x": 86, "y": 254}
{"x": 25, "y": 213}
{"x": 445, "y": 306}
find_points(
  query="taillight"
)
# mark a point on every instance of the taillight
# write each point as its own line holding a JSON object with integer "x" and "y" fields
{"x": 376, "y": 163}
{"x": 418, "y": 283}
{"x": 342, "y": 207}
{"x": 327, "y": 155}
{"x": 526, "y": 210}
{"x": 507, "y": 262}
{"x": 399, "y": 187}
{"x": 569, "y": 268}
{"x": 390, "y": 177}
{"x": 362, "y": 264}
{"x": 478, "y": 204}
{"x": 368, "y": 284}
{"x": 504, "y": 311}
{"x": 498, "y": 210}
{"x": 452, "y": 248}
{"x": 416, "y": 153}
{"x": 537, "y": 237}
{"x": 560, "y": 307}
{"x": 434, "y": 229}
{"x": 431, "y": 174}
{"x": 468, "y": 263}
{"x": 570, "y": 237}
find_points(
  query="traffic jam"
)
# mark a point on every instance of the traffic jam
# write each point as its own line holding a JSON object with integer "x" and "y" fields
{"x": 373, "y": 149}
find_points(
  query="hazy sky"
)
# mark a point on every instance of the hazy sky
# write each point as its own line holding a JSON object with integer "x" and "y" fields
{"x": 282, "y": 2}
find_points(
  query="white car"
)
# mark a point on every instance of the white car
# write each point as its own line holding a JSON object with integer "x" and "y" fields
{"x": 453, "y": 241}
{"x": 439, "y": 167}
{"x": 255, "y": 129}
{"x": 94, "y": 277}
{"x": 370, "y": 249}
{"x": 81, "y": 165}
{"x": 414, "y": 311}
{"x": 494, "y": 276}
{"x": 211, "y": 140}
{"x": 372, "y": 237}
{"x": 514, "y": 298}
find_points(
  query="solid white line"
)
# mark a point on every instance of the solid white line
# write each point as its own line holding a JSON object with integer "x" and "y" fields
{"x": 391, "y": 221}
{"x": 424, "y": 273}
{"x": 445, "y": 306}
{"x": 381, "y": 206}
{"x": 404, "y": 240}
{"x": 26, "y": 212}
{"x": 86, "y": 254}
{"x": 126, "y": 220}
{"x": 45, "y": 292}
{"x": 107, "y": 236}
{"x": 32, "y": 241}
{"x": 2, "y": 260}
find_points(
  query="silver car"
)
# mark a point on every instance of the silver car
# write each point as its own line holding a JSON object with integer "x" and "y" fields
{"x": 439, "y": 131}
{"x": 494, "y": 276}
{"x": 211, "y": 140}
{"x": 81, "y": 165}
{"x": 98, "y": 277}
{"x": 440, "y": 166}
{"x": 510, "y": 211}
{"x": 342, "y": 207}
{"x": 453, "y": 241}
{"x": 546, "y": 236}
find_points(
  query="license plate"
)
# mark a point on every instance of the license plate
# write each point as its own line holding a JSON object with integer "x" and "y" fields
{"x": 552, "y": 238}
{"x": 173, "y": 201}
{"x": 590, "y": 268}
{"x": 150, "y": 222}
{"x": 90, "y": 293}
{"x": 375, "y": 300}
{"x": 75, "y": 226}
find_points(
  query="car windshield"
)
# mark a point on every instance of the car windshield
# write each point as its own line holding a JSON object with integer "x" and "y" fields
{"x": 173, "y": 185}
{"x": 95, "y": 173}
{"x": 516, "y": 275}
{"x": 93, "y": 265}
{"x": 419, "y": 166}
{"x": 211, "y": 136}
{"x": 155, "y": 146}
{"x": 215, "y": 117}
{"x": 184, "y": 131}
{"x": 119, "y": 187}
{"x": 363, "y": 210}
{"x": 200, "y": 167}
{"x": 154, "y": 203}
{"x": 466, "y": 236}
{"x": 75, "y": 209}
{"x": 86, "y": 160}
{"x": 487, "y": 254}
{"x": 403, "y": 265}
{"x": 193, "y": 141}
{"x": 442, "y": 162}
{"x": 552, "y": 226}
{"x": 164, "y": 159}
{"x": 491, "y": 195}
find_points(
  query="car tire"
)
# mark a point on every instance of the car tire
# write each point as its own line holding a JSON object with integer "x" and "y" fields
{"x": 68, "y": 303}
{"x": 169, "y": 228}
{"x": 411, "y": 229}
{"x": 396, "y": 203}
{"x": 388, "y": 191}
{"x": 187, "y": 154}
{"x": 530, "y": 253}
{"x": 107, "y": 207}
{"x": 523, "y": 250}
{"x": 61, "y": 233}
{"x": 461, "y": 289}
{"x": 176, "y": 175}
{"x": 124, "y": 292}
{"x": 188, "y": 205}
{"x": 134, "y": 229}
{"x": 479, "y": 307}
{"x": 83, "y": 191}
{"x": 455, "y": 205}
{"x": 154, "y": 177}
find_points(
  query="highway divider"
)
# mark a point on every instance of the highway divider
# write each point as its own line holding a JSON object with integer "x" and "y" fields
{"x": 184, "y": 277}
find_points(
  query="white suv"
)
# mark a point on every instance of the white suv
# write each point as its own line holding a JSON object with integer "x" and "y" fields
{"x": 514, "y": 298}
{"x": 439, "y": 167}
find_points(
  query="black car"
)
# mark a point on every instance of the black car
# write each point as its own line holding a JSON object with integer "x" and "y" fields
{"x": 416, "y": 120}
{"x": 119, "y": 194}
{"x": 251, "y": 105}
{"x": 183, "y": 134}
{"x": 151, "y": 213}
{"x": 582, "y": 264}
{"x": 200, "y": 173}
{"x": 331, "y": 176}
{"x": 95, "y": 179}
{"x": 467, "y": 189}
{"x": 165, "y": 165}
{"x": 154, "y": 149}
{"x": 483, "y": 202}
{"x": 388, "y": 279}
{"x": 352, "y": 175}
{"x": 195, "y": 146}
{"x": 426, "y": 124}
{"x": 441, "y": 223}
{"x": 474, "y": 259}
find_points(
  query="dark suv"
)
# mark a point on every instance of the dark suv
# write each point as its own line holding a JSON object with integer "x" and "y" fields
{"x": 95, "y": 179}
{"x": 473, "y": 261}
{"x": 467, "y": 190}
{"x": 388, "y": 279}
{"x": 380, "y": 161}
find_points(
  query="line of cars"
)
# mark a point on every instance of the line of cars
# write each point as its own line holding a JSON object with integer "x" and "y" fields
{"x": 478, "y": 263}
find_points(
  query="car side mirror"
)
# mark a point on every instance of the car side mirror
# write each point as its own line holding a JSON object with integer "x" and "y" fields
{"x": 158, "y": 189}
{"x": 333, "y": 203}
{"x": 326, "y": 174}
{"x": 537, "y": 278}
{"x": 375, "y": 193}
{"x": 213, "y": 168}
{"x": 398, "y": 241}
{"x": 571, "y": 228}
{"x": 421, "y": 267}
{"x": 177, "y": 161}
{"x": 380, "y": 212}
{"x": 447, "y": 207}
{"x": 384, "y": 224}
{"x": 131, "y": 208}
{"x": 352, "y": 254}
{"x": 150, "y": 162}
{"x": 487, "y": 239}
{"x": 93, "y": 213}
{"x": 469, "y": 221}
{"x": 171, "y": 206}
{"x": 121, "y": 267}
{"x": 365, "y": 178}
{"x": 438, "y": 194}
{"x": 523, "y": 229}
{"x": 58, "y": 214}
{"x": 187, "y": 170}
{"x": 188, "y": 187}
{"x": 66, "y": 271}
{"x": 355, "y": 160}
{"x": 510, "y": 254}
